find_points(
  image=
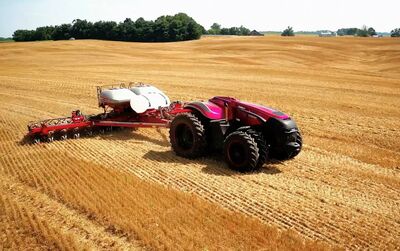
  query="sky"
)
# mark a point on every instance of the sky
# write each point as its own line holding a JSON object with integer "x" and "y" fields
{"x": 262, "y": 15}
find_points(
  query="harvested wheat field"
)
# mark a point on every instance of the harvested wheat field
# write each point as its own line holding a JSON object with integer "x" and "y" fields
{"x": 128, "y": 190}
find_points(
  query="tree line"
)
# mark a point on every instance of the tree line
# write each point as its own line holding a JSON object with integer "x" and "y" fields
{"x": 216, "y": 29}
{"x": 395, "y": 32}
{"x": 363, "y": 32}
{"x": 179, "y": 27}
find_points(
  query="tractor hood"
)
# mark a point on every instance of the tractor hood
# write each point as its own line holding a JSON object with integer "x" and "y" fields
{"x": 263, "y": 111}
{"x": 215, "y": 109}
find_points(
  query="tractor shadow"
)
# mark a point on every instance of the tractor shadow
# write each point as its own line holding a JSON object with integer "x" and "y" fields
{"x": 128, "y": 134}
{"x": 26, "y": 140}
{"x": 213, "y": 164}
{"x": 115, "y": 135}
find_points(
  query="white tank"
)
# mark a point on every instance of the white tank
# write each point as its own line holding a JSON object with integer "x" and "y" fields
{"x": 140, "y": 98}
{"x": 155, "y": 97}
{"x": 113, "y": 97}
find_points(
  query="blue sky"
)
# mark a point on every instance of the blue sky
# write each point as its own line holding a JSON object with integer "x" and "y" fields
{"x": 383, "y": 15}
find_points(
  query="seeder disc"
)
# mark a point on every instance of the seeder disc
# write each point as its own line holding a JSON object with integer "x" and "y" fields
{"x": 89, "y": 131}
{"x": 76, "y": 133}
{"x": 50, "y": 137}
{"x": 63, "y": 135}
{"x": 36, "y": 140}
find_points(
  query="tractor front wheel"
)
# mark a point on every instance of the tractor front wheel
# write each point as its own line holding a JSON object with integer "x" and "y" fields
{"x": 241, "y": 151}
{"x": 263, "y": 147}
{"x": 291, "y": 148}
{"x": 187, "y": 136}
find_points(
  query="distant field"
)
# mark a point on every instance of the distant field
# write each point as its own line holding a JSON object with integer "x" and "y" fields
{"x": 128, "y": 190}
{"x": 278, "y": 33}
{"x": 6, "y": 40}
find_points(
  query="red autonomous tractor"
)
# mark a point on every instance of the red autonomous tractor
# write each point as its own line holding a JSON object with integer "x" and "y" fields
{"x": 247, "y": 134}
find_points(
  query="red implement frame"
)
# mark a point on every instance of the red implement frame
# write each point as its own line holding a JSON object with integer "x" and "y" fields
{"x": 151, "y": 118}
{"x": 44, "y": 127}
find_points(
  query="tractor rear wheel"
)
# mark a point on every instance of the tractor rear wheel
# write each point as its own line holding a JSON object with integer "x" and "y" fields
{"x": 241, "y": 151}
{"x": 187, "y": 136}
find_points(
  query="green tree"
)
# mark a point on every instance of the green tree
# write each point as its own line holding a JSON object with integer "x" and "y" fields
{"x": 193, "y": 31}
{"x": 243, "y": 31}
{"x": 352, "y": 31}
{"x": 363, "y": 32}
{"x": 144, "y": 30}
{"x": 239, "y": 31}
{"x": 103, "y": 30}
{"x": 366, "y": 32}
{"x": 215, "y": 29}
{"x": 23, "y": 35}
{"x": 288, "y": 32}
{"x": 395, "y": 32}
{"x": 43, "y": 33}
{"x": 371, "y": 31}
{"x": 225, "y": 31}
{"x": 126, "y": 31}
{"x": 175, "y": 30}
{"x": 347, "y": 31}
{"x": 62, "y": 32}
{"x": 81, "y": 29}
{"x": 161, "y": 29}
{"x": 234, "y": 31}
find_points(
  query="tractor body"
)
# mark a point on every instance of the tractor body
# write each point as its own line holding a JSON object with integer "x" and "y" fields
{"x": 224, "y": 115}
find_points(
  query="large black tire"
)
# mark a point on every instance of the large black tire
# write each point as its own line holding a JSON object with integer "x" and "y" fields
{"x": 241, "y": 151}
{"x": 187, "y": 136}
{"x": 262, "y": 145}
{"x": 291, "y": 149}
{"x": 299, "y": 141}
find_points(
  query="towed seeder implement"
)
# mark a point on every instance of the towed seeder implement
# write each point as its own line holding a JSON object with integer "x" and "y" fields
{"x": 247, "y": 134}
{"x": 47, "y": 130}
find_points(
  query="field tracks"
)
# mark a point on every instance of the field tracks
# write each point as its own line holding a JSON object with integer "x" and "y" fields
{"x": 343, "y": 189}
{"x": 29, "y": 210}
